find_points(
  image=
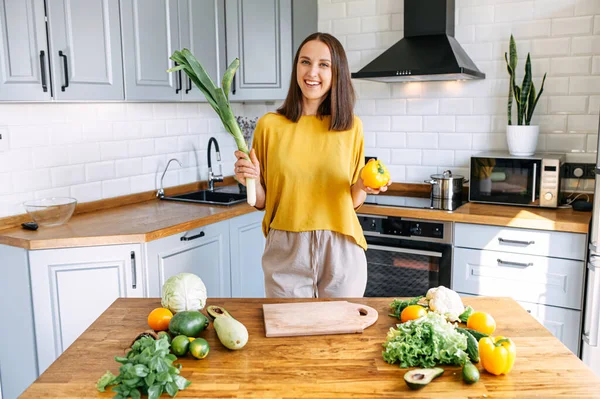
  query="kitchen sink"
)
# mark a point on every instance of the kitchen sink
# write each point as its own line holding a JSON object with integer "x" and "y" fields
{"x": 215, "y": 197}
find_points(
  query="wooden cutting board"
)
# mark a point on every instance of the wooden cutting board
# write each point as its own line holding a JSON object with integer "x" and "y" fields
{"x": 317, "y": 318}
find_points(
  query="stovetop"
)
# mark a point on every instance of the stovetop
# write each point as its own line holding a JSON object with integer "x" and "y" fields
{"x": 413, "y": 202}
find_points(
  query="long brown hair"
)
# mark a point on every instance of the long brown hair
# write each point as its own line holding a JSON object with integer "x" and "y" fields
{"x": 339, "y": 102}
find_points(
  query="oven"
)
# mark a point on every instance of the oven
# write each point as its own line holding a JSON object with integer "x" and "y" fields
{"x": 406, "y": 257}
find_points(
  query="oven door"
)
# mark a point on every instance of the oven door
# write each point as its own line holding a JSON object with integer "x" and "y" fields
{"x": 512, "y": 181}
{"x": 405, "y": 268}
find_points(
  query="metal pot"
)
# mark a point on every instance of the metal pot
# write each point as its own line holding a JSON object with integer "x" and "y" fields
{"x": 447, "y": 186}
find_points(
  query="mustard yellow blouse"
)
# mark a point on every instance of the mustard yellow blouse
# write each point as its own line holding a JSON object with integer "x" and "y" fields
{"x": 307, "y": 171}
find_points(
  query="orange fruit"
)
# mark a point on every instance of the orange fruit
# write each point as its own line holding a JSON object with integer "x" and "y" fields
{"x": 412, "y": 312}
{"x": 159, "y": 319}
{"x": 482, "y": 322}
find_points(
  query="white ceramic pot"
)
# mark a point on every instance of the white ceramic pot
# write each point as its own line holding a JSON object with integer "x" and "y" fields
{"x": 522, "y": 139}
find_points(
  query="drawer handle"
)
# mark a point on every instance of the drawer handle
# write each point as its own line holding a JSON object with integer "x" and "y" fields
{"x": 517, "y": 242}
{"x": 519, "y": 264}
{"x": 190, "y": 238}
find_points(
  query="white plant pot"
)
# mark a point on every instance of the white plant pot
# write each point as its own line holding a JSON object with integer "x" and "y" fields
{"x": 522, "y": 139}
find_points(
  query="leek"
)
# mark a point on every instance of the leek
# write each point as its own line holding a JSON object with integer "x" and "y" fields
{"x": 218, "y": 98}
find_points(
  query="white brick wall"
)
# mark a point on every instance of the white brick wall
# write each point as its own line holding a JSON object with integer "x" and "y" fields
{"x": 96, "y": 151}
{"x": 437, "y": 125}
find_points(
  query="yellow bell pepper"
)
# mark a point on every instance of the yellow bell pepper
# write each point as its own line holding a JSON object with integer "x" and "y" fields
{"x": 497, "y": 354}
{"x": 375, "y": 175}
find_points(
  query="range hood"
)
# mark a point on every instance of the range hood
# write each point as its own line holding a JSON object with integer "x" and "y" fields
{"x": 428, "y": 50}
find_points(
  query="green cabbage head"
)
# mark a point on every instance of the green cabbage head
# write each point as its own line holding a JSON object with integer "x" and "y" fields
{"x": 184, "y": 291}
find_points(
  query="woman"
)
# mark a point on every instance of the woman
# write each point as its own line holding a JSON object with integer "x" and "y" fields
{"x": 306, "y": 160}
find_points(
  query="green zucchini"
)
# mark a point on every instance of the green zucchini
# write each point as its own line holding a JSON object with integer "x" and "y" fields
{"x": 478, "y": 335}
{"x": 472, "y": 345}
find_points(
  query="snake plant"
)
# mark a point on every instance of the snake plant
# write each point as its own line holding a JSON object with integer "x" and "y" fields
{"x": 218, "y": 98}
{"x": 524, "y": 96}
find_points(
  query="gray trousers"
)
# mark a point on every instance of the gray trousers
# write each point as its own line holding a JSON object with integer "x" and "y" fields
{"x": 313, "y": 264}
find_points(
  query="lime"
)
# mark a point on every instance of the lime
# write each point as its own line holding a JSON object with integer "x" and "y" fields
{"x": 199, "y": 348}
{"x": 180, "y": 345}
{"x": 164, "y": 333}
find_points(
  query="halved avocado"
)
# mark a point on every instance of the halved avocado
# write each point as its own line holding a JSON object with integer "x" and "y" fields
{"x": 418, "y": 378}
{"x": 217, "y": 311}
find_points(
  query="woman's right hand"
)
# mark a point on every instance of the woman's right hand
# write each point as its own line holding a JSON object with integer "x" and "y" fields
{"x": 244, "y": 168}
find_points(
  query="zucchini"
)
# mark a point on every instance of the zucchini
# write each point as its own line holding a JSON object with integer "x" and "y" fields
{"x": 478, "y": 335}
{"x": 472, "y": 345}
{"x": 470, "y": 373}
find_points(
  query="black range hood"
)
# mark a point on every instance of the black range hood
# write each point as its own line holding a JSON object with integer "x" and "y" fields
{"x": 428, "y": 50}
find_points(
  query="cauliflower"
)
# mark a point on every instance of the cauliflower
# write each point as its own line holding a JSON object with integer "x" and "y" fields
{"x": 446, "y": 302}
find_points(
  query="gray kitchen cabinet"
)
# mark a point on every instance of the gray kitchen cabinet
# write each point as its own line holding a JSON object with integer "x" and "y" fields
{"x": 24, "y": 61}
{"x": 72, "y": 287}
{"x": 154, "y": 29}
{"x": 18, "y": 363}
{"x": 543, "y": 270}
{"x": 203, "y": 251}
{"x": 202, "y": 31}
{"x": 85, "y": 41}
{"x": 259, "y": 33}
{"x": 150, "y": 32}
{"x": 247, "y": 247}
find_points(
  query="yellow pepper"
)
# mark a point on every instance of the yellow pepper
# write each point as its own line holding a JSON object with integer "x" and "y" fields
{"x": 375, "y": 175}
{"x": 497, "y": 354}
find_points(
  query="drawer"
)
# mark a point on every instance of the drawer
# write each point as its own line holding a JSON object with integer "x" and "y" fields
{"x": 522, "y": 241}
{"x": 563, "y": 323}
{"x": 536, "y": 279}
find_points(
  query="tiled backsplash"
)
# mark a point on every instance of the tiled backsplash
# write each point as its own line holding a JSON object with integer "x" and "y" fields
{"x": 425, "y": 127}
{"x": 93, "y": 151}
{"x": 96, "y": 151}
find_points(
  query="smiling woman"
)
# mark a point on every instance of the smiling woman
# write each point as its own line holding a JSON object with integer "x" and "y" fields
{"x": 307, "y": 159}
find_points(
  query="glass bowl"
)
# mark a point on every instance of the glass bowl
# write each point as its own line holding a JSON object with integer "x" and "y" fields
{"x": 51, "y": 211}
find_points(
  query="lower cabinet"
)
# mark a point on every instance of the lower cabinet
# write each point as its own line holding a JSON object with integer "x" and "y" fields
{"x": 72, "y": 287}
{"x": 247, "y": 247}
{"x": 203, "y": 252}
{"x": 225, "y": 255}
{"x": 542, "y": 270}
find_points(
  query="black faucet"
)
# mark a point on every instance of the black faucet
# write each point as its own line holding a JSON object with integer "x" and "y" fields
{"x": 212, "y": 178}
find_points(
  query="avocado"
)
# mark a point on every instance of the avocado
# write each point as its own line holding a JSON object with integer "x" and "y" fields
{"x": 189, "y": 323}
{"x": 418, "y": 378}
{"x": 232, "y": 334}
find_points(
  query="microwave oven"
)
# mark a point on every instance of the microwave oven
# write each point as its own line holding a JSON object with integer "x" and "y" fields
{"x": 500, "y": 178}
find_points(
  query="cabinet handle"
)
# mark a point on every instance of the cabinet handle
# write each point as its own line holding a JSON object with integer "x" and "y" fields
{"x": 189, "y": 85}
{"x": 177, "y": 80}
{"x": 133, "y": 271}
{"x": 519, "y": 264}
{"x": 517, "y": 242}
{"x": 43, "y": 69}
{"x": 190, "y": 238}
{"x": 66, "y": 69}
{"x": 233, "y": 89}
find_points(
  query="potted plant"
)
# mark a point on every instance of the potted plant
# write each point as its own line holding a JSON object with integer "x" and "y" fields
{"x": 521, "y": 137}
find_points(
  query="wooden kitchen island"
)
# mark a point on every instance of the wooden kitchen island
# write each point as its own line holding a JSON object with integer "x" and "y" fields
{"x": 334, "y": 366}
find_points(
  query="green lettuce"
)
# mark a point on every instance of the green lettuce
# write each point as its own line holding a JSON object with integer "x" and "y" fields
{"x": 425, "y": 342}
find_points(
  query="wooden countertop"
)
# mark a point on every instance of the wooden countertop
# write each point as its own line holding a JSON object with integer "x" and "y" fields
{"x": 150, "y": 219}
{"x": 333, "y": 366}
{"x": 566, "y": 220}
{"x": 135, "y": 223}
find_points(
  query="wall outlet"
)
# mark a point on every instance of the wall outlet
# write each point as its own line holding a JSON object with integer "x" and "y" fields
{"x": 3, "y": 139}
{"x": 579, "y": 170}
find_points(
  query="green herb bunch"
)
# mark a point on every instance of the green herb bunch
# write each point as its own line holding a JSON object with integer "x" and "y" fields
{"x": 146, "y": 369}
{"x": 398, "y": 305}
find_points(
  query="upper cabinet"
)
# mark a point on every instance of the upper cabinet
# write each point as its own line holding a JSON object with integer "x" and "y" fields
{"x": 111, "y": 50}
{"x": 153, "y": 30}
{"x": 259, "y": 33}
{"x": 85, "y": 41}
{"x": 24, "y": 69}
{"x": 78, "y": 59}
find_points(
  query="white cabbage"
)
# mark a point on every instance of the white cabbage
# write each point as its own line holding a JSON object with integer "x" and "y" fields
{"x": 184, "y": 291}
